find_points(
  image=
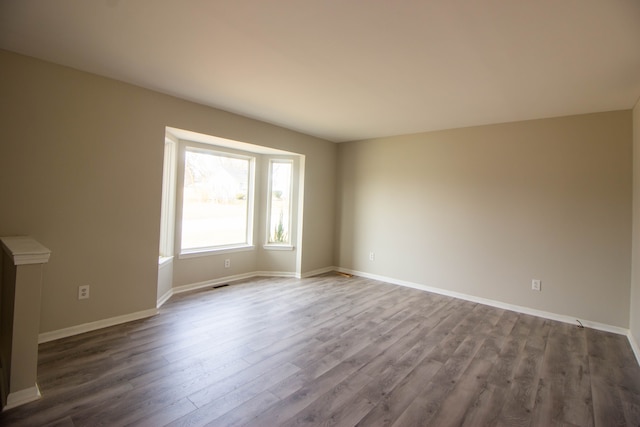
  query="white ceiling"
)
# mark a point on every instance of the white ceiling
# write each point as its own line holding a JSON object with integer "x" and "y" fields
{"x": 350, "y": 69}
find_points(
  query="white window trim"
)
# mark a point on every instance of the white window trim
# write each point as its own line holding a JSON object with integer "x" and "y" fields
{"x": 251, "y": 193}
{"x": 278, "y": 247}
{"x": 168, "y": 209}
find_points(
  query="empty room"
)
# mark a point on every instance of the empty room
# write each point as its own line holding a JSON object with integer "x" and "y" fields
{"x": 278, "y": 213}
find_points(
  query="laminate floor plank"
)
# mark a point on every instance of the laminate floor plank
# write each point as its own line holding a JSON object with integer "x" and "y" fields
{"x": 319, "y": 367}
{"x": 209, "y": 359}
{"x": 272, "y": 366}
{"x": 485, "y": 409}
{"x": 428, "y": 350}
{"x": 608, "y": 408}
{"x": 387, "y": 370}
{"x": 63, "y": 422}
{"x": 154, "y": 395}
{"x": 333, "y": 351}
{"x": 246, "y": 412}
{"x": 511, "y": 353}
{"x": 28, "y": 416}
{"x": 465, "y": 392}
{"x": 376, "y": 348}
{"x": 393, "y": 404}
{"x": 354, "y": 317}
{"x": 155, "y": 414}
{"x": 288, "y": 329}
{"x": 428, "y": 403}
{"x": 577, "y": 379}
{"x": 631, "y": 412}
{"x": 612, "y": 375}
{"x": 96, "y": 379}
{"x": 331, "y": 401}
{"x": 305, "y": 395}
{"x": 353, "y": 346}
{"x": 523, "y": 389}
{"x": 212, "y": 405}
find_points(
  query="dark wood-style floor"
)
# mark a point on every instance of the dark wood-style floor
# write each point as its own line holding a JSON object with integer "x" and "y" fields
{"x": 334, "y": 351}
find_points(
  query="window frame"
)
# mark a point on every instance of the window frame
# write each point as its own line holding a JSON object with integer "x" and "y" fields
{"x": 288, "y": 245}
{"x": 168, "y": 208}
{"x": 251, "y": 202}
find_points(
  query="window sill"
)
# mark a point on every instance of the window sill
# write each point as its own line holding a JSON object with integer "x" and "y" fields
{"x": 196, "y": 253}
{"x": 278, "y": 247}
{"x": 164, "y": 260}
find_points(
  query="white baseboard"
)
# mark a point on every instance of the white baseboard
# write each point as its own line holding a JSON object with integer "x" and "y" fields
{"x": 164, "y": 298}
{"x": 21, "y": 397}
{"x": 493, "y": 303}
{"x": 634, "y": 346}
{"x": 92, "y": 326}
{"x": 213, "y": 282}
{"x": 317, "y": 272}
{"x": 227, "y": 279}
{"x": 275, "y": 274}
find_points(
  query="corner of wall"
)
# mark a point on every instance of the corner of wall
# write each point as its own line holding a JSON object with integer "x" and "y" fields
{"x": 634, "y": 304}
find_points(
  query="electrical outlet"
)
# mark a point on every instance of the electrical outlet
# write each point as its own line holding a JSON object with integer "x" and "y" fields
{"x": 227, "y": 263}
{"x": 536, "y": 285}
{"x": 372, "y": 256}
{"x": 83, "y": 292}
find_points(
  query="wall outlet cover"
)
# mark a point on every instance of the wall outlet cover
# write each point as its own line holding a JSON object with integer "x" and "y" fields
{"x": 536, "y": 285}
{"x": 83, "y": 292}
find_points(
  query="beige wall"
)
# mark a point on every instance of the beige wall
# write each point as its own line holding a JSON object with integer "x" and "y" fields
{"x": 485, "y": 210}
{"x": 81, "y": 171}
{"x": 634, "y": 324}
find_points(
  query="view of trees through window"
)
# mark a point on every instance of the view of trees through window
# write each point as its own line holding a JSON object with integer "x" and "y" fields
{"x": 215, "y": 200}
{"x": 280, "y": 203}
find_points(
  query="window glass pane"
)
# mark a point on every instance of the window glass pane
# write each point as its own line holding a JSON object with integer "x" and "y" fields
{"x": 280, "y": 203}
{"x": 215, "y": 200}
